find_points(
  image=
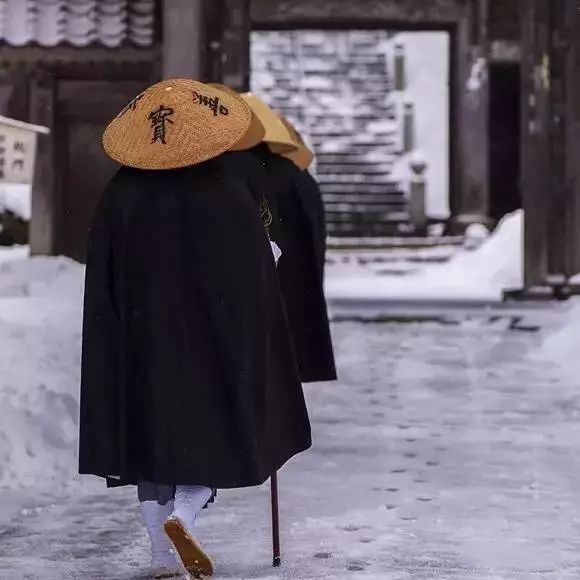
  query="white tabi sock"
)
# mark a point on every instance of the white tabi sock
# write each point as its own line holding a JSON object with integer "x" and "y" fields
{"x": 189, "y": 501}
{"x": 163, "y": 559}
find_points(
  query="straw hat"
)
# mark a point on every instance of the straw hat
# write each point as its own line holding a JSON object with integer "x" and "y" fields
{"x": 277, "y": 135}
{"x": 256, "y": 132}
{"x": 302, "y": 156}
{"x": 176, "y": 123}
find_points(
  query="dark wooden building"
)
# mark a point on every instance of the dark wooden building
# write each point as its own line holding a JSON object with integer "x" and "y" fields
{"x": 513, "y": 104}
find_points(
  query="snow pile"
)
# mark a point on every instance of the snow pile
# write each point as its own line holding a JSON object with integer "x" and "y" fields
{"x": 16, "y": 198}
{"x": 497, "y": 264}
{"x": 481, "y": 274}
{"x": 40, "y": 329}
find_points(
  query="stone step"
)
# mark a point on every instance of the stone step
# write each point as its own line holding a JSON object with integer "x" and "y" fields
{"x": 388, "y": 188}
{"x": 393, "y": 196}
{"x": 323, "y": 169}
{"x": 354, "y": 179}
{"x": 353, "y": 158}
{"x": 365, "y": 208}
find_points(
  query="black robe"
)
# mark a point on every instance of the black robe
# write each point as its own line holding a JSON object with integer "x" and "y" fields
{"x": 299, "y": 228}
{"x": 188, "y": 374}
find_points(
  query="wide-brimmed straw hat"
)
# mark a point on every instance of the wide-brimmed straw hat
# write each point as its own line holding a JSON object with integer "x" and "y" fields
{"x": 176, "y": 123}
{"x": 256, "y": 132}
{"x": 277, "y": 135}
{"x": 302, "y": 156}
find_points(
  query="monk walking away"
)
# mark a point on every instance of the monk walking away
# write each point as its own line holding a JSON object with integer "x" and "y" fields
{"x": 276, "y": 170}
{"x": 189, "y": 381}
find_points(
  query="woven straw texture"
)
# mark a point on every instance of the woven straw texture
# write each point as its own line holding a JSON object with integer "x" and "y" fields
{"x": 277, "y": 136}
{"x": 176, "y": 123}
{"x": 302, "y": 157}
{"x": 256, "y": 132}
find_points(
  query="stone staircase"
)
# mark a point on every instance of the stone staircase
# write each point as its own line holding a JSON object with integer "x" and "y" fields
{"x": 335, "y": 87}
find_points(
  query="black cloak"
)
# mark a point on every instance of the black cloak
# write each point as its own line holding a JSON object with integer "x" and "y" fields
{"x": 299, "y": 228}
{"x": 188, "y": 374}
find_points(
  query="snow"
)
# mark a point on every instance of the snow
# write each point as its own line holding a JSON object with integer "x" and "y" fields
{"x": 444, "y": 451}
{"x": 480, "y": 274}
{"x": 16, "y": 198}
{"x": 316, "y": 82}
{"x": 40, "y": 314}
{"x": 78, "y": 22}
{"x": 561, "y": 346}
{"x": 427, "y": 77}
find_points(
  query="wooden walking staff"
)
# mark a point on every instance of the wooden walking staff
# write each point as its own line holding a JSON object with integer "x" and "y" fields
{"x": 277, "y": 560}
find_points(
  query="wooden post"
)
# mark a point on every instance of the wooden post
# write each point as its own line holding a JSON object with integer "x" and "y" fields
{"x": 470, "y": 202}
{"x": 572, "y": 55}
{"x": 535, "y": 150}
{"x": 228, "y": 43}
{"x": 183, "y": 38}
{"x": 560, "y": 191}
{"x": 45, "y": 203}
{"x": 551, "y": 141}
{"x": 213, "y": 44}
{"x": 236, "y": 44}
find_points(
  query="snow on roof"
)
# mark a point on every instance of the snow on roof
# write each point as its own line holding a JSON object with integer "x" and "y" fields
{"x": 77, "y": 22}
{"x": 22, "y": 125}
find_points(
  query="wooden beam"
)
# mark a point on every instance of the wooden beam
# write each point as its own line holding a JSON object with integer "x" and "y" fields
{"x": 62, "y": 55}
{"x": 269, "y": 13}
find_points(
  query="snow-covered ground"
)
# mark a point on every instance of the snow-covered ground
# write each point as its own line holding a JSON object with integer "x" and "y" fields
{"x": 480, "y": 274}
{"x": 443, "y": 452}
{"x": 561, "y": 346}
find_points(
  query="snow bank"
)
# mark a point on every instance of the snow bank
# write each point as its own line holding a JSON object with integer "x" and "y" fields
{"x": 40, "y": 329}
{"x": 16, "y": 198}
{"x": 480, "y": 274}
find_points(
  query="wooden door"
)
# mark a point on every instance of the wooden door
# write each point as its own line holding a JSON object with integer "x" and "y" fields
{"x": 83, "y": 110}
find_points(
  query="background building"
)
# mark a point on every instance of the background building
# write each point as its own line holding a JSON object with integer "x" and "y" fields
{"x": 511, "y": 119}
